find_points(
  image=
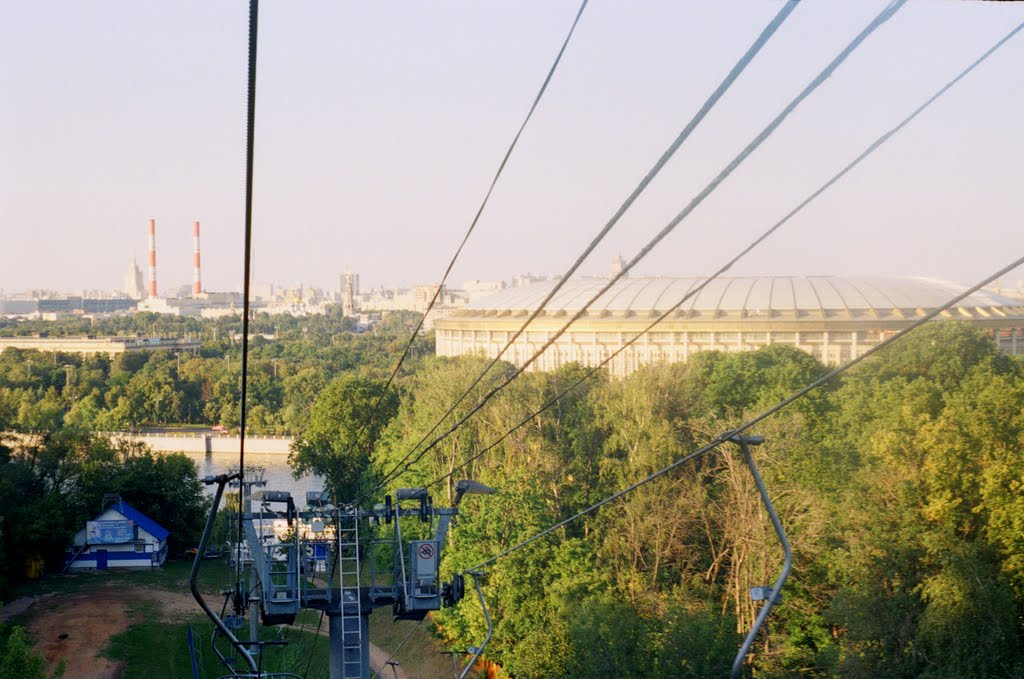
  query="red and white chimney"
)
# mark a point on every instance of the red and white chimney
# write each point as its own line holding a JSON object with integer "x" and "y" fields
{"x": 152, "y": 258}
{"x": 197, "y": 285}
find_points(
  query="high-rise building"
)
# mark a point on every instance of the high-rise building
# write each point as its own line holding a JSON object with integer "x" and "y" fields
{"x": 348, "y": 300}
{"x": 133, "y": 282}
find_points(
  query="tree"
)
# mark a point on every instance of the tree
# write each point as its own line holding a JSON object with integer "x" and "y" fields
{"x": 17, "y": 661}
{"x": 343, "y": 429}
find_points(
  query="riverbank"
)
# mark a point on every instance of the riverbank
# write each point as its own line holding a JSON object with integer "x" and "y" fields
{"x": 191, "y": 442}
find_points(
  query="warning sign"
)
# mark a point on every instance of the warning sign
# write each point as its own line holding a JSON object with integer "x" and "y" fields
{"x": 426, "y": 551}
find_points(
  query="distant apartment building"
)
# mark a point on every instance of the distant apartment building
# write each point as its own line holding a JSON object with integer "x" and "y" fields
{"x": 99, "y": 345}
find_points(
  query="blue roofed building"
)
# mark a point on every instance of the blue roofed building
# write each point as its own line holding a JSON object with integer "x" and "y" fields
{"x": 119, "y": 537}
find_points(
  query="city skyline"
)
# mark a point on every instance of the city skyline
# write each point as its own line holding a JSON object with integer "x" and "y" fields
{"x": 378, "y": 128}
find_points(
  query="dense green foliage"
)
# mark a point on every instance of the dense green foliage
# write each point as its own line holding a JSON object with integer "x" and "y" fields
{"x": 18, "y": 661}
{"x": 900, "y": 488}
{"x": 39, "y": 391}
{"x": 346, "y": 419}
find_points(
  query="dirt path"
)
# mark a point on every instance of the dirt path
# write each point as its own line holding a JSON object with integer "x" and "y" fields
{"x": 76, "y": 627}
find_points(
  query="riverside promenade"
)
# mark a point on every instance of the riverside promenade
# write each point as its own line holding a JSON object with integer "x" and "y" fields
{"x": 197, "y": 442}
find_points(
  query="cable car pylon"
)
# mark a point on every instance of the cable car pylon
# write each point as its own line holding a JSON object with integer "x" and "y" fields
{"x": 290, "y": 550}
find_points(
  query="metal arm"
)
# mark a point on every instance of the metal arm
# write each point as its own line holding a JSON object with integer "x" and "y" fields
{"x": 477, "y": 651}
{"x": 221, "y": 481}
{"x": 744, "y": 443}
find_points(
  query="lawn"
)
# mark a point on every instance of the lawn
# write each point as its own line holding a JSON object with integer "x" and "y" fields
{"x": 213, "y": 575}
{"x": 155, "y": 643}
{"x": 153, "y": 648}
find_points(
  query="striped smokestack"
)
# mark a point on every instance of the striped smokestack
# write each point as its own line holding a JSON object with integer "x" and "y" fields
{"x": 197, "y": 285}
{"x": 152, "y": 258}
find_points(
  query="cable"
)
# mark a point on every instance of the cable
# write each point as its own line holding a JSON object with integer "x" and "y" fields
{"x": 727, "y": 82}
{"x": 402, "y": 643}
{"x": 882, "y": 17}
{"x": 254, "y": 8}
{"x": 476, "y": 218}
{"x": 792, "y": 213}
{"x": 312, "y": 653}
{"x": 725, "y": 436}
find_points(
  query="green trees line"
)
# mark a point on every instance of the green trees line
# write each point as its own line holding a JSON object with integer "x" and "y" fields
{"x": 900, "y": 487}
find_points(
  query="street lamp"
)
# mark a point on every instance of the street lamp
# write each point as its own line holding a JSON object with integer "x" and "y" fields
{"x": 274, "y": 362}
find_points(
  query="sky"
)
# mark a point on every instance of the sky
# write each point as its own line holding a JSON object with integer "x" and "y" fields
{"x": 380, "y": 125}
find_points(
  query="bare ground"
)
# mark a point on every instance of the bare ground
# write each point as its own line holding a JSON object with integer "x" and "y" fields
{"x": 77, "y": 627}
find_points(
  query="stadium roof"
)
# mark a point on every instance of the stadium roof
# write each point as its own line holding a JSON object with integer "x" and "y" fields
{"x": 752, "y": 297}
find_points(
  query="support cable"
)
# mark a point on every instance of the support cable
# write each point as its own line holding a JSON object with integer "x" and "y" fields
{"x": 730, "y": 434}
{"x": 476, "y": 218}
{"x": 400, "y": 644}
{"x": 254, "y": 7}
{"x": 691, "y": 293}
{"x": 882, "y": 17}
{"x": 316, "y": 636}
{"x": 713, "y": 99}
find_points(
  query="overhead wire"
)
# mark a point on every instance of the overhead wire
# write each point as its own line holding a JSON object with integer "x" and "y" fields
{"x": 254, "y": 7}
{"x": 472, "y": 226}
{"x": 887, "y": 13}
{"x": 727, "y": 435}
{"x": 399, "y": 648}
{"x": 316, "y": 635}
{"x": 709, "y": 103}
{"x": 871, "y": 148}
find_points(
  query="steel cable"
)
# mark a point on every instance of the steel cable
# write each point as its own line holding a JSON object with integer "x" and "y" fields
{"x": 886, "y": 14}
{"x": 792, "y": 213}
{"x": 727, "y": 435}
{"x": 476, "y": 218}
{"x": 726, "y": 83}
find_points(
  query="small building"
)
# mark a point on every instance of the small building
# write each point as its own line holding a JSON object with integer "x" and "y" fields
{"x": 120, "y": 537}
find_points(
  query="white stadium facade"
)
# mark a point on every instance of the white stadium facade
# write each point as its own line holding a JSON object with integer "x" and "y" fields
{"x": 833, "y": 318}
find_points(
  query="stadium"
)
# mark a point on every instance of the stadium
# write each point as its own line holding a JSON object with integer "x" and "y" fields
{"x": 831, "y": 317}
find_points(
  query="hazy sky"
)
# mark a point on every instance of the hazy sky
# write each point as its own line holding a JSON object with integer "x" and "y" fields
{"x": 380, "y": 124}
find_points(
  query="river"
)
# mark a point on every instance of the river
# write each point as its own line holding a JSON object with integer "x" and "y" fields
{"x": 277, "y": 473}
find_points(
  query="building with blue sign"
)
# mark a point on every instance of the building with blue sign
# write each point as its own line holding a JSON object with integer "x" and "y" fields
{"x": 120, "y": 537}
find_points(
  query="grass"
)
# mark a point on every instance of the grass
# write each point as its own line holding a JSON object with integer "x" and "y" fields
{"x": 160, "y": 649}
{"x": 420, "y": 655}
{"x": 213, "y": 575}
{"x": 153, "y": 647}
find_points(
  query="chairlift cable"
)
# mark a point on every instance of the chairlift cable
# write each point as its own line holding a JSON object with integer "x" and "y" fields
{"x": 254, "y": 6}
{"x": 316, "y": 636}
{"x": 727, "y": 435}
{"x": 886, "y": 14}
{"x": 472, "y": 225}
{"x": 693, "y": 292}
{"x": 400, "y": 644}
{"x": 726, "y": 83}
